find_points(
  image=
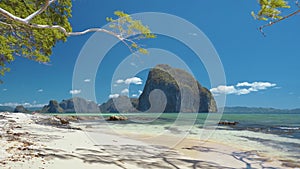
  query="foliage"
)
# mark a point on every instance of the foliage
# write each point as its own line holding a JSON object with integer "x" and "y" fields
{"x": 130, "y": 30}
{"x": 270, "y": 9}
{"x": 18, "y": 39}
{"x": 36, "y": 43}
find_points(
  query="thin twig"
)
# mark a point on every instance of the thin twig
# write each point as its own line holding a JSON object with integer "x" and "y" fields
{"x": 7, "y": 24}
{"x": 276, "y": 21}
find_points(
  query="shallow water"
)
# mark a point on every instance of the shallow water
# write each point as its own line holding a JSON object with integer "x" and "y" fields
{"x": 275, "y": 135}
{"x": 285, "y": 125}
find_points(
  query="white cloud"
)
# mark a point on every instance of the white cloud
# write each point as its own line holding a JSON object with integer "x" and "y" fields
{"x": 4, "y": 90}
{"x": 255, "y": 86}
{"x": 223, "y": 90}
{"x": 133, "y": 80}
{"x": 26, "y": 104}
{"x": 242, "y": 91}
{"x": 133, "y": 64}
{"x": 87, "y": 80}
{"x": 137, "y": 95}
{"x": 134, "y": 95}
{"x": 120, "y": 81}
{"x": 75, "y": 91}
{"x": 242, "y": 88}
{"x": 243, "y": 84}
{"x": 113, "y": 96}
{"x": 193, "y": 34}
{"x": 125, "y": 91}
{"x": 40, "y": 90}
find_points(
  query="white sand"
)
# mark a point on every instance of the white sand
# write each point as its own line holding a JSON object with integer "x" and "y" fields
{"x": 25, "y": 144}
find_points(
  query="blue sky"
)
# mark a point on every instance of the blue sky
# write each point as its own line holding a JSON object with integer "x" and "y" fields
{"x": 246, "y": 55}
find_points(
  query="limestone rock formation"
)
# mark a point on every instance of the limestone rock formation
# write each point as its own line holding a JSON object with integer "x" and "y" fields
{"x": 121, "y": 104}
{"x": 73, "y": 105}
{"x": 52, "y": 107}
{"x": 183, "y": 93}
{"x": 79, "y": 105}
{"x": 20, "y": 109}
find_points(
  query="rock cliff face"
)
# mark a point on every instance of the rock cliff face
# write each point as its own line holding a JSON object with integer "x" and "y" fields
{"x": 73, "y": 105}
{"x": 79, "y": 105}
{"x": 182, "y": 92}
{"x": 52, "y": 107}
{"x": 207, "y": 101}
{"x": 122, "y": 105}
{"x": 20, "y": 109}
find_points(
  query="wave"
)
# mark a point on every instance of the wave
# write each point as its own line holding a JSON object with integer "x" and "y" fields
{"x": 289, "y": 128}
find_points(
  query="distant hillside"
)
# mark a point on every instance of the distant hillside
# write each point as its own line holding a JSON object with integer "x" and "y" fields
{"x": 11, "y": 109}
{"x": 239, "y": 109}
{"x": 72, "y": 105}
{"x": 6, "y": 108}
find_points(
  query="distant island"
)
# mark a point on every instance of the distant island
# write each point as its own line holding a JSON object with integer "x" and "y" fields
{"x": 241, "y": 109}
{"x": 235, "y": 109}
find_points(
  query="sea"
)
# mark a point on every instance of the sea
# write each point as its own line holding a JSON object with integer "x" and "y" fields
{"x": 276, "y": 135}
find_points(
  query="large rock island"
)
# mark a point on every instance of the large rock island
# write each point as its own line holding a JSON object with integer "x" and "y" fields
{"x": 183, "y": 92}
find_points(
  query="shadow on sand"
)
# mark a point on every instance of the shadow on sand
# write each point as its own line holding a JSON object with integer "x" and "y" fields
{"x": 151, "y": 157}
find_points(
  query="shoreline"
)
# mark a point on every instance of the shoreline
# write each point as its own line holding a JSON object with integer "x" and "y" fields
{"x": 26, "y": 144}
{"x": 230, "y": 156}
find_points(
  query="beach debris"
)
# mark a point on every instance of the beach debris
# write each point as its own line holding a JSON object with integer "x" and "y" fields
{"x": 89, "y": 126}
{"x": 58, "y": 121}
{"x": 2, "y": 117}
{"x": 228, "y": 123}
{"x": 12, "y": 121}
{"x": 116, "y": 118}
{"x": 63, "y": 121}
{"x": 173, "y": 130}
{"x": 53, "y": 121}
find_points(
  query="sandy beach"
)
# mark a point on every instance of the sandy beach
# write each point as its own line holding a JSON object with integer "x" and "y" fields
{"x": 27, "y": 143}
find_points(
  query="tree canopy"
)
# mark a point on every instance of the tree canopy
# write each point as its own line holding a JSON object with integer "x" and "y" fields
{"x": 31, "y": 28}
{"x": 26, "y": 40}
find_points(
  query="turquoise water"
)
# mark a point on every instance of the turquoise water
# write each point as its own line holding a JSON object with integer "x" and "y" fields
{"x": 276, "y": 135}
{"x": 286, "y": 125}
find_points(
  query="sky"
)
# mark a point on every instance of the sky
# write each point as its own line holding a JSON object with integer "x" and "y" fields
{"x": 260, "y": 71}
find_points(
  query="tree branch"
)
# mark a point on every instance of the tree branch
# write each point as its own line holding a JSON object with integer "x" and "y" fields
{"x": 7, "y": 24}
{"x": 10, "y": 16}
{"x": 41, "y": 10}
{"x": 276, "y": 21}
{"x": 27, "y": 20}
